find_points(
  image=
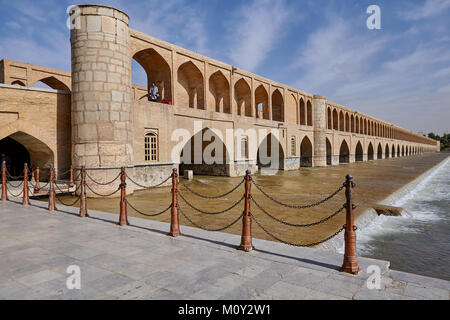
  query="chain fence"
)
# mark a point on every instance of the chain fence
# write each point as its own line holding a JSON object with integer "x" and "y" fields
{"x": 206, "y": 228}
{"x": 209, "y": 212}
{"x": 211, "y": 197}
{"x": 148, "y": 214}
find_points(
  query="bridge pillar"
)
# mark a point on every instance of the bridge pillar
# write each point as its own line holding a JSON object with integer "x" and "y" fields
{"x": 102, "y": 130}
{"x": 320, "y": 125}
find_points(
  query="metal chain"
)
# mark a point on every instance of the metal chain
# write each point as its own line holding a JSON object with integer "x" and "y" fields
{"x": 67, "y": 189}
{"x": 102, "y": 195}
{"x": 40, "y": 188}
{"x": 9, "y": 182}
{"x": 209, "y": 229}
{"x": 14, "y": 177}
{"x": 102, "y": 183}
{"x": 211, "y": 213}
{"x": 148, "y": 214}
{"x": 297, "y": 206}
{"x": 16, "y": 196}
{"x": 148, "y": 187}
{"x": 212, "y": 197}
{"x": 69, "y": 205}
{"x": 297, "y": 225}
{"x": 297, "y": 244}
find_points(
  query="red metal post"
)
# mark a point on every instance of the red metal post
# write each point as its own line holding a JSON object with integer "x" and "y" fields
{"x": 71, "y": 176}
{"x": 36, "y": 177}
{"x": 246, "y": 238}
{"x": 4, "y": 190}
{"x": 83, "y": 200}
{"x": 51, "y": 191}
{"x": 174, "y": 218}
{"x": 25, "y": 197}
{"x": 123, "y": 219}
{"x": 350, "y": 264}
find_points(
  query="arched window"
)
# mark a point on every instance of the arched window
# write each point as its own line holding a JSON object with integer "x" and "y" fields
{"x": 293, "y": 146}
{"x": 151, "y": 147}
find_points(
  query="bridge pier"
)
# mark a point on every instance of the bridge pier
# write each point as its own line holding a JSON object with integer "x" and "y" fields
{"x": 320, "y": 125}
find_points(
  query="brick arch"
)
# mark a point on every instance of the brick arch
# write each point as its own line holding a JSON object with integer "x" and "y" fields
{"x": 277, "y": 106}
{"x": 261, "y": 96}
{"x": 243, "y": 97}
{"x": 158, "y": 70}
{"x": 219, "y": 90}
{"x": 53, "y": 83}
{"x": 41, "y": 149}
{"x": 265, "y": 150}
{"x": 306, "y": 152}
{"x": 344, "y": 151}
{"x": 359, "y": 151}
{"x": 191, "y": 87}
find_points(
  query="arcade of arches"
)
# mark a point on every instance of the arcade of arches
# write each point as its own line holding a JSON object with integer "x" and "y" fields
{"x": 109, "y": 120}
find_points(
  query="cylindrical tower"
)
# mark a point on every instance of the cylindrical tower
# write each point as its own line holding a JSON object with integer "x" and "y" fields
{"x": 320, "y": 125}
{"x": 102, "y": 130}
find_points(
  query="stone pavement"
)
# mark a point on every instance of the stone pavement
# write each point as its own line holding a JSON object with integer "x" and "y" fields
{"x": 142, "y": 262}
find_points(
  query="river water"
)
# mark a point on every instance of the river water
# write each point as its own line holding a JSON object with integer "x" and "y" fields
{"x": 419, "y": 241}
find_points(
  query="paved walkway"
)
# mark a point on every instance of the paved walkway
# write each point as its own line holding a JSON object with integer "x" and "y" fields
{"x": 141, "y": 262}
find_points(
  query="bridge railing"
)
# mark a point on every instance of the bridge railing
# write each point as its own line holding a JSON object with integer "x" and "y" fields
{"x": 181, "y": 190}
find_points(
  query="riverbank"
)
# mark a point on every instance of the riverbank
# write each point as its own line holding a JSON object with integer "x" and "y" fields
{"x": 142, "y": 262}
{"x": 376, "y": 180}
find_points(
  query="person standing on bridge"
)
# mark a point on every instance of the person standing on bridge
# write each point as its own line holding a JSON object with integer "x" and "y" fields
{"x": 153, "y": 92}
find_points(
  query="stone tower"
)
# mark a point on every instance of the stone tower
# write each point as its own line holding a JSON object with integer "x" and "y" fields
{"x": 101, "y": 91}
{"x": 320, "y": 125}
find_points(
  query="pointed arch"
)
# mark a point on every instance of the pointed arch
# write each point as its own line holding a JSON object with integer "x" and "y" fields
{"x": 352, "y": 123}
{"x": 277, "y": 106}
{"x": 262, "y": 98}
{"x": 191, "y": 87}
{"x": 379, "y": 152}
{"x": 370, "y": 152}
{"x": 219, "y": 93}
{"x": 306, "y": 153}
{"x": 341, "y": 121}
{"x": 270, "y": 153}
{"x": 329, "y": 119}
{"x": 335, "y": 120}
{"x": 158, "y": 71}
{"x": 243, "y": 98}
{"x": 309, "y": 113}
{"x": 347, "y": 122}
{"x": 344, "y": 152}
{"x": 53, "y": 83}
{"x": 359, "y": 152}
{"x": 329, "y": 152}
{"x": 386, "y": 151}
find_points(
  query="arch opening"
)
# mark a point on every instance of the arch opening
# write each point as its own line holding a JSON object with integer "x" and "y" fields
{"x": 329, "y": 152}
{"x": 358, "y": 152}
{"x": 277, "y": 106}
{"x": 306, "y": 153}
{"x": 210, "y": 157}
{"x": 243, "y": 98}
{"x": 191, "y": 87}
{"x": 219, "y": 89}
{"x": 302, "y": 112}
{"x": 344, "y": 153}
{"x": 157, "y": 71}
{"x": 370, "y": 152}
{"x": 270, "y": 154}
{"x": 262, "y": 98}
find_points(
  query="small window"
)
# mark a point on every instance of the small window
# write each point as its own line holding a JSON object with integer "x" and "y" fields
{"x": 151, "y": 147}
{"x": 293, "y": 146}
{"x": 244, "y": 147}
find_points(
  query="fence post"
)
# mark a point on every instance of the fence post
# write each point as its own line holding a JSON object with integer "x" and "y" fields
{"x": 174, "y": 223}
{"x": 51, "y": 191}
{"x": 71, "y": 176}
{"x": 123, "y": 219}
{"x": 246, "y": 238}
{"x": 83, "y": 202}
{"x": 350, "y": 264}
{"x": 4, "y": 190}
{"x": 25, "y": 197}
{"x": 36, "y": 178}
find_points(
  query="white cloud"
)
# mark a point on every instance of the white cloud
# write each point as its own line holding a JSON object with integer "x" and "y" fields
{"x": 254, "y": 30}
{"x": 428, "y": 9}
{"x": 395, "y": 77}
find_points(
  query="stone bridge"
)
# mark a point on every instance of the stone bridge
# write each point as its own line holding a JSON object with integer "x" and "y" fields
{"x": 112, "y": 122}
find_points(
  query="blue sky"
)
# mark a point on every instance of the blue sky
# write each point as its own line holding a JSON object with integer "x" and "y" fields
{"x": 400, "y": 73}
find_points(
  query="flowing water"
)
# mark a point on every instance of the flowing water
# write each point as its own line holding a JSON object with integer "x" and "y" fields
{"x": 417, "y": 242}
